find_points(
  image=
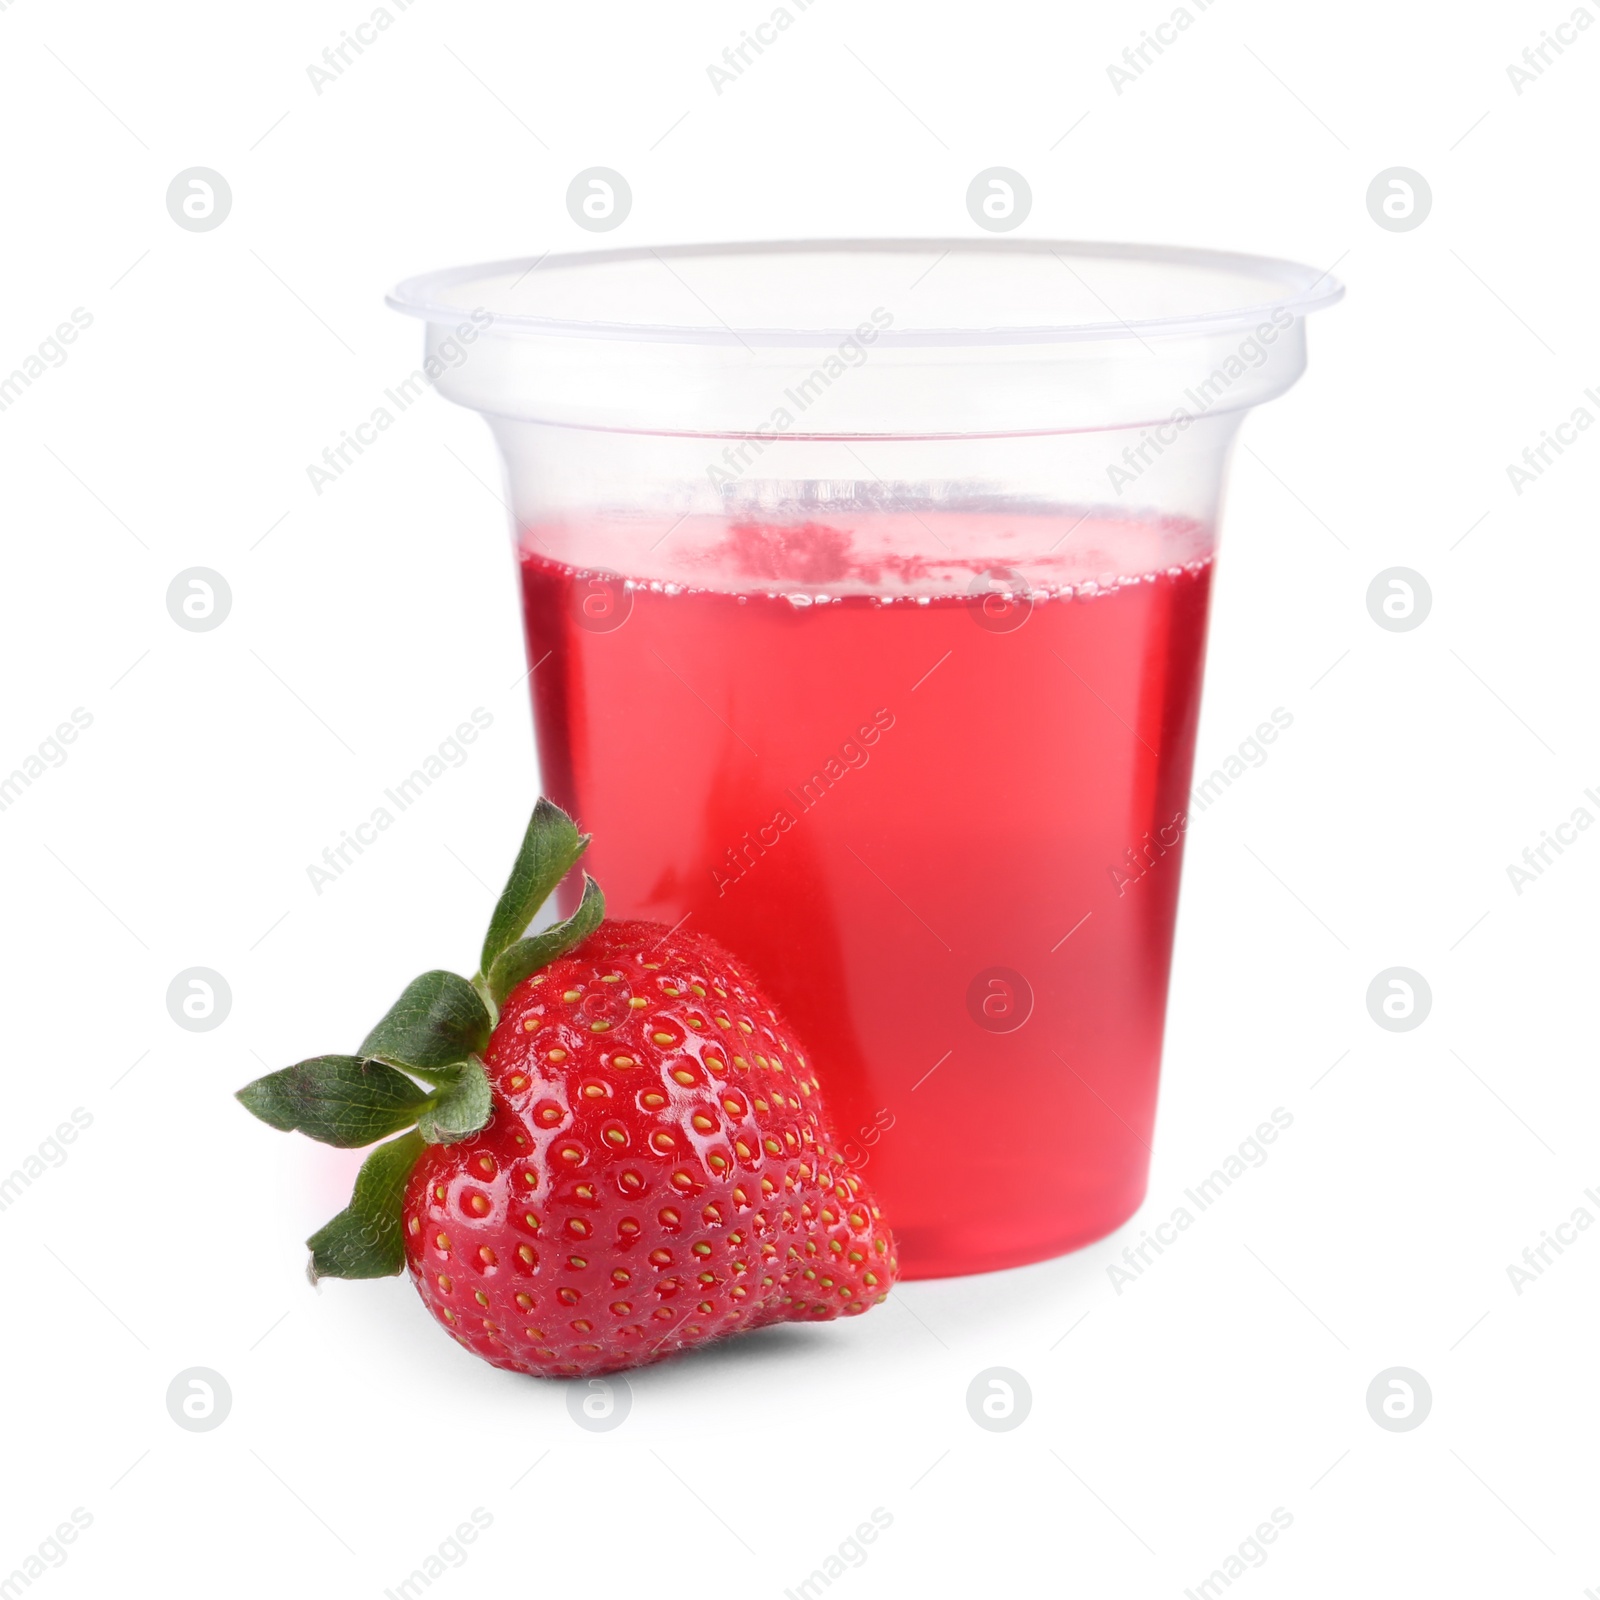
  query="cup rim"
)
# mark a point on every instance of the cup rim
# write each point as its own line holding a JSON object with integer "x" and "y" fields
{"x": 1286, "y": 286}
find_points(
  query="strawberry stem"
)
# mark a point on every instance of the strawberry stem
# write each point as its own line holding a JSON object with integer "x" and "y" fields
{"x": 550, "y": 847}
{"x": 436, "y": 1031}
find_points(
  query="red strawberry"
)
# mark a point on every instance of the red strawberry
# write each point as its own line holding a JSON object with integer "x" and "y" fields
{"x": 655, "y": 1171}
{"x": 621, "y": 1150}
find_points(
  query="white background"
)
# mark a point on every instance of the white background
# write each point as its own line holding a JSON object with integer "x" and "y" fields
{"x": 1167, "y": 1421}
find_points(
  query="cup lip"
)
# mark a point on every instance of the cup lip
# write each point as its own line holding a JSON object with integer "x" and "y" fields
{"x": 1287, "y": 286}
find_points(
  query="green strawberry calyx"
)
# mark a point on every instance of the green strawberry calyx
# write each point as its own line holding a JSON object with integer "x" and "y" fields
{"x": 419, "y": 1072}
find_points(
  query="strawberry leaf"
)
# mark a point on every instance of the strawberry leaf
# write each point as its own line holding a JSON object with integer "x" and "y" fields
{"x": 459, "y": 1108}
{"x": 439, "y": 1021}
{"x": 339, "y": 1100}
{"x": 549, "y": 848}
{"x": 364, "y": 1240}
{"x": 526, "y": 956}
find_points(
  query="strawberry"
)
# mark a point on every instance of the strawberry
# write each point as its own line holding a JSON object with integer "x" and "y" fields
{"x": 617, "y": 1147}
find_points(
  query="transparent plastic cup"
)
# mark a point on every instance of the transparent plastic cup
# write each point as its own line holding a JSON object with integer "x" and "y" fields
{"x": 866, "y": 594}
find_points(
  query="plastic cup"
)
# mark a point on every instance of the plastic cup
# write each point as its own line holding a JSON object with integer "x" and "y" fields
{"x": 866, "y": 595}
